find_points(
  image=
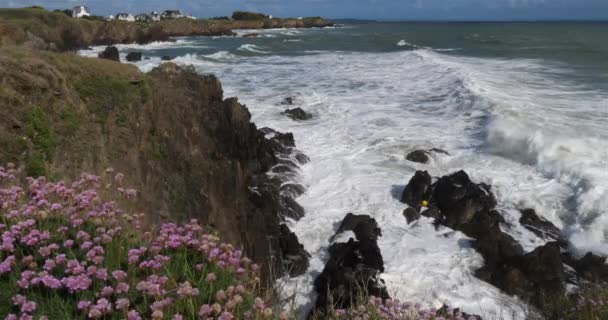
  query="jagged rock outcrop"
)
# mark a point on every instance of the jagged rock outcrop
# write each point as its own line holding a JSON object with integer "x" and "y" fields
{"x": 353, "y": 267}
{"x": 539, "y": 226}
{"x": 539, "y": 276}
{"x": 190, "y": 152}
{"x": 417, "y": 189}
{"x": 295, "y": 258}
{"x": 110, "y": 53}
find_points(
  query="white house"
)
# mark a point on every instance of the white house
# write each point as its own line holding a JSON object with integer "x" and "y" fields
{"x": 125, "y": 17}
{"x": 110, "y": 17}
{"x": 155, "y": 16}
{"x": 143, "y": 17}
{"x": 80, "y": 11}
{"x": 172, "y": 14}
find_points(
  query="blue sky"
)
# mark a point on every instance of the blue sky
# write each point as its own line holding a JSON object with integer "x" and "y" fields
{"x": 364, "y": 9}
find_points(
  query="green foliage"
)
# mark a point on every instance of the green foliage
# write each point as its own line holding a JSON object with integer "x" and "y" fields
{"x": 107, "y": 95}
{"x": 35, "y": 165}
{"x": 39, "y": 131}
{"x": 244, "y": 15}
{"x": 70, "y": 119}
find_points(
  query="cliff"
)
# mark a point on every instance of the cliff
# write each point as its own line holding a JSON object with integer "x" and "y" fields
{"x": 41, "y": 29}
{"x": 189, "y": 151}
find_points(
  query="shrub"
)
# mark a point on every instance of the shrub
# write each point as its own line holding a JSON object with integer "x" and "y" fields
{"x": 68, "y": 251}
{"x": 243, "y": 15}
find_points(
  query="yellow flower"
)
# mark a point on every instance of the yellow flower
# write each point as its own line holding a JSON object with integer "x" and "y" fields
{"x": 425, "y": 203}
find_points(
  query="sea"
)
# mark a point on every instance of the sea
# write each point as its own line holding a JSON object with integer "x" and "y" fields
{"x": 520, "y": 106}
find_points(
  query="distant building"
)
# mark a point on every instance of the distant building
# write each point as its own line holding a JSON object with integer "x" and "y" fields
{"x": 125, "y": 17}
{"x": 143, "y": 17}
{"x": 155, "y": 16}
{"x": 110, "y": 17}
{"x": 172, "y": 14}
{"x": 80, "y": 11}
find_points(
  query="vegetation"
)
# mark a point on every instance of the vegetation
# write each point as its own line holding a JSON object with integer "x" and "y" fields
{"x": 70, "y": 251}
{"x": 244, "y": 15}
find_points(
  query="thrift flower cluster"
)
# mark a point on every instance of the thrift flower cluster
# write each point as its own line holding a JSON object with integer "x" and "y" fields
{"x": 376, "y": 309}
{"x": 67, "y": 252}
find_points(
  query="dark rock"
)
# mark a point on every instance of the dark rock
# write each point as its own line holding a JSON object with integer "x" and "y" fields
{"x": 110, "y": 53}
{"x": 538, "y": 276}
{"x": 459, "y": 199}
{"x": 292, "y": 208}
{"x": 251, "y": 35}
{"x": 590, "y": 267}
{"x": 167, "y": 58}
{"x": 295, "y": 258}
{"x": 539, "y": 226}
{"x": 302, "y": 158}
{"x": 431, "y": 212}
{"x": 134, "y": 56}
{"x": 411, "y": 214}
{"x": 297, "y": 114}
{"x": 353, "y": 267}
{"x": 419, "y": 156}
{"x": 289, "y": 101}
{"x": 417, "y": 189}
{"x": 147, "y": 58}
{"x": 364, "y": 227}
{"x": 450, "y": 313}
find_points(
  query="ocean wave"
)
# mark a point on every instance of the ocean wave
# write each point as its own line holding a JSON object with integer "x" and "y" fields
{"x": 533, "y": 123}
{"x": 251, "y": 48}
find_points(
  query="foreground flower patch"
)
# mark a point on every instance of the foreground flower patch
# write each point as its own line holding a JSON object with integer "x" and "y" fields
{"x": 69, "y": 251}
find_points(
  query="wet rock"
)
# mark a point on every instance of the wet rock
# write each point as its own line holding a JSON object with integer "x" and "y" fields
{"x": 459, "y": 199}
{"x": 167, "y": 58}
{"x": 419, "y": 156}
{"x": 417, "y": 189}
{"x": 431, "y": 212}
{"x": 411, "y": 214}
{"x": 289, "y": 101}
{"x": 110, "y": 53}
{"x": 295, "y": 258}
{"x": 364, "y": 227}
{"x": 134, "y": 56}
{"x": 450, "y": 313}
{"x": 297, "y": 114}
{"x": 538, "y": 225}
{"x": 353, "y": 267}
{"x": 292, "y": 208}
{"x": 251, "y": 35}
{"x": 590, "y": 267}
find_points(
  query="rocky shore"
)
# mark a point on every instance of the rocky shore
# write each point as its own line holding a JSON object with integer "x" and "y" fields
{"x": 41, "y": 29}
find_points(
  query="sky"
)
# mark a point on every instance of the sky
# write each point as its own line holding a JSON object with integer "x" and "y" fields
{"x": 358, "y": 9}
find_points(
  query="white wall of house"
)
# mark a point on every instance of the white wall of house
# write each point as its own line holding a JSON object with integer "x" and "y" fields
{"x": 80, "y": 11}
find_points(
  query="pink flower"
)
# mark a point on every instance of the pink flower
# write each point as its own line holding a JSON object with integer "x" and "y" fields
{"x": 211, "y": 277}
{"x": 122, "y": 304}
{"x": 119, "y": 275}
{"x": 133, "y": 315}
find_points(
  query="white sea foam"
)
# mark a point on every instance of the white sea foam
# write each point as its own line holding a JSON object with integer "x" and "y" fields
{"x": 541, "y": 143}
{"x": 251, "y": 48}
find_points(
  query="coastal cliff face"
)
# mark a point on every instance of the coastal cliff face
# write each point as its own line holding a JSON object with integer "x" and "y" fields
{"x": 41, "y": 29}
{"x": 190, "y": 152}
